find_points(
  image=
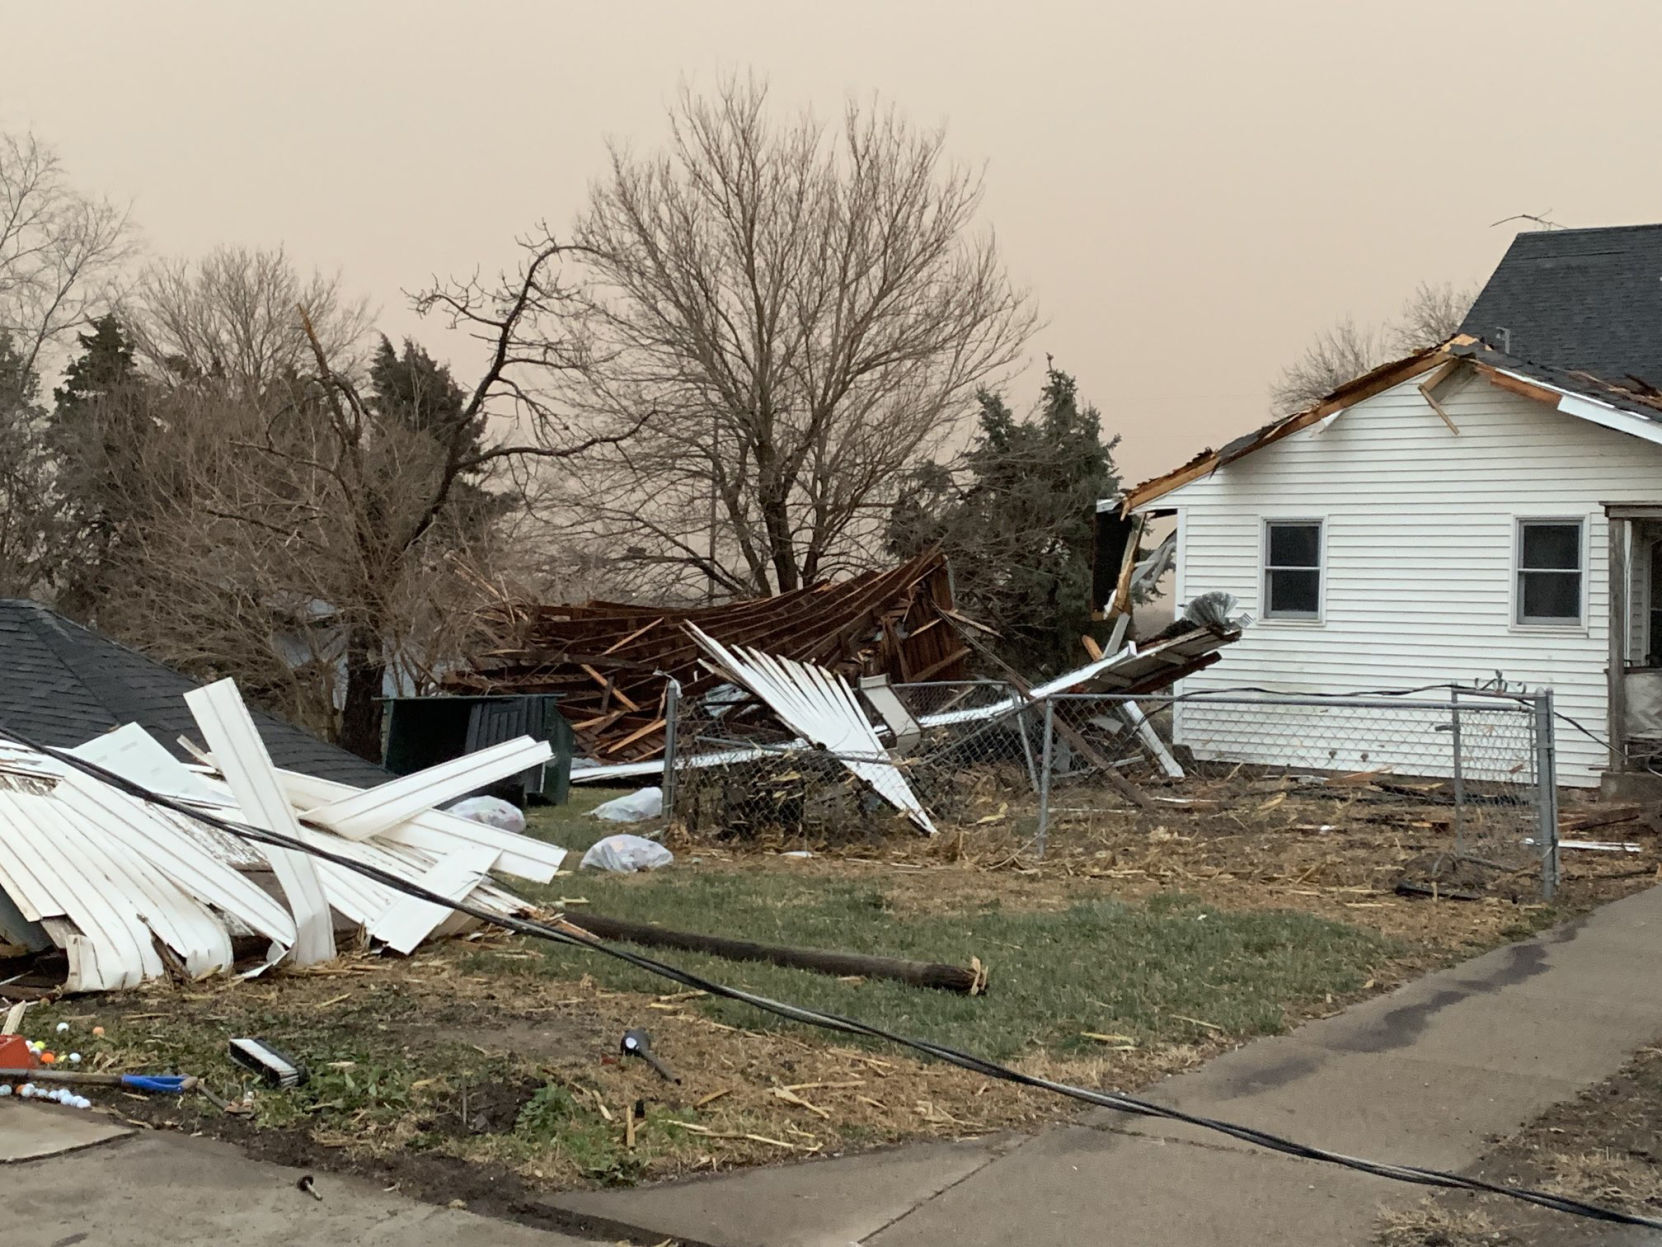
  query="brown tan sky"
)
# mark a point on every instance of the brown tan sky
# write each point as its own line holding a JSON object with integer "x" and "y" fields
{"x": 1190, "y": 189}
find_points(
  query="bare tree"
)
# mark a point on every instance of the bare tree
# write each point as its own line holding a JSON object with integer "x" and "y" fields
{"x": 1432, "y": 314}
{"x": 295, "y": 528}
{"x": 1337, "y": 355}
{"x": 59, "y": 249}
{"x": 231, "y": 315}
{"x": 801, "y": 314}
{"x": 29, "y": 528}
{"x": 1345, "y": 351}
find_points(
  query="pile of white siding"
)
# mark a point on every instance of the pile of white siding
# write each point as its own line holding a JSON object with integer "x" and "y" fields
{"x": 131, "y": 891}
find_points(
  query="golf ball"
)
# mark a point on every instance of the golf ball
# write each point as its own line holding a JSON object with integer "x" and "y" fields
{"x": 5, "y": 1089}
{"x": 63, "y": 1028}
{"x": 74, "y": 1058}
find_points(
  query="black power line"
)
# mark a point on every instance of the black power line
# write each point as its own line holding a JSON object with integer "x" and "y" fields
{"x": 566, "y": 934}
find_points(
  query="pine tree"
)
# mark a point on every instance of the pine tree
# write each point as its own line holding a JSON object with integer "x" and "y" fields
{"x": 416, "y": 392}
{"x": 96, "y": 433}
{"x": 1015, "y": 518}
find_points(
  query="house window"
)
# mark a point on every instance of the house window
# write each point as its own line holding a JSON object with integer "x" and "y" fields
{"x": 1292, "y": 569}
{"x": 1549, "y": 572}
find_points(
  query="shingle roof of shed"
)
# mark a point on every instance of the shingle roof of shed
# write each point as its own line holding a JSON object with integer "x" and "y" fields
{"x": 62, "y": 684}
{"x": 1589, "y": 300}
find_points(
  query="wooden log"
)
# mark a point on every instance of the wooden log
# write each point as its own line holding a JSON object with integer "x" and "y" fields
{"x": 966, "y": 981}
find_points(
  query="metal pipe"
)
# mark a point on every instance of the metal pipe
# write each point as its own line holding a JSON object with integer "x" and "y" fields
{"x": 1546, "y": 787}
{"x": 1459, "y": 776}
{"x": 1048, "y": 753}
{"x": 672, "y": 712}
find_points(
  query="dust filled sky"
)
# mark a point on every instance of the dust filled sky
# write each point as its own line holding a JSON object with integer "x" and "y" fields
{"x": 1189, "y": 189}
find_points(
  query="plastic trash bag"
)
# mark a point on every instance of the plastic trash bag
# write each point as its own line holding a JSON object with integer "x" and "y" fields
{"x": 638, "y": 806}
{"x": 625, "y": 854}
{"x": 491, "y": 811}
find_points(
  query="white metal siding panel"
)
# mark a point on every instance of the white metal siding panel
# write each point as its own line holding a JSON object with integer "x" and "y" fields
{"x": 1419, "y": 539}
{"x": 371, "y": 811}
{"x": 410, "y": 919}
{"x": 437, "y": 833}
{"x": 160, "y": 840}
{"x": 242, "y": 758}
{"x": 116, "y": 951}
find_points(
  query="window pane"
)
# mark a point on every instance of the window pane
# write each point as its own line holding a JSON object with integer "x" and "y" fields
{"x": 1295, "y": 545}
{"x": 1294, "y": 592}
{"x": 1551, "y": 545}
{"x": 1550, "y": 596}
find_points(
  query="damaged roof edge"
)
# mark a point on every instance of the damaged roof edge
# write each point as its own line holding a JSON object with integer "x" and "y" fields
{"x": 1373, "y": 382}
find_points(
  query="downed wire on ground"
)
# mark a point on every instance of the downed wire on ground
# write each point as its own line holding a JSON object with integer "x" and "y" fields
{"x": 129, "y": 891}
{"x": 566, "y": 933}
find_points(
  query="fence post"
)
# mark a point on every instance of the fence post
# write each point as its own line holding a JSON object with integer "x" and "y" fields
{"x": 1459, "y": 775}
{"x": 1546, "y": 791}
{"x": 672, "y": 713}
{"x": 1049, "y": 749}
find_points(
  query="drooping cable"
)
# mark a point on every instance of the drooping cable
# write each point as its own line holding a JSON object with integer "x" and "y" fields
{"x": 575, "y": 937}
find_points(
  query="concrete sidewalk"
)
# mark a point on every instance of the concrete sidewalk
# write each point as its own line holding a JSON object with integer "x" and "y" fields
{"x": 1431, "y": 1074}
{"x": 167, "y": 1190}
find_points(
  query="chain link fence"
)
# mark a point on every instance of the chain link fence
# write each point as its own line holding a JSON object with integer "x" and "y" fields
{"x": 1476, "y": 766}
{"x": 1471, "y": 771}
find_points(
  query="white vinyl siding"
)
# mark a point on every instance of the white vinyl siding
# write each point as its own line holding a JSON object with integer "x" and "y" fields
{"x": 1420, "y": 546}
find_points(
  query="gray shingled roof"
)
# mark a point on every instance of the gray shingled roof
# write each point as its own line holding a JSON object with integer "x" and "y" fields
{"x": 1586, "y": 300}
{"x": 61, "y": 684}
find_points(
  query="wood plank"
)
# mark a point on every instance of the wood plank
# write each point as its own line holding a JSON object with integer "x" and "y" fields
{"x": 657, "y": 725}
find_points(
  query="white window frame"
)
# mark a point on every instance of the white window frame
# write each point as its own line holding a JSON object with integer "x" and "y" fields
{"x": 1265, "y": 615}
{"x": 1579, "y": 623}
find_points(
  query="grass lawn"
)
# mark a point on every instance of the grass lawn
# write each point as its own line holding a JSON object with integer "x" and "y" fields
{"x": 487, "y": 1069}
{"x": 1169, "y": 969}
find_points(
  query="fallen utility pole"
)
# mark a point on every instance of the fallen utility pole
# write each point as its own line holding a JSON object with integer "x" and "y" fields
{"x": 965, "y": 980}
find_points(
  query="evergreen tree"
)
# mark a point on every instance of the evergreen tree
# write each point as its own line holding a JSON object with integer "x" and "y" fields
{"x": 418, "y": 394}
{"x": 1016, "y": 519}
{"x": 97, "y": 430}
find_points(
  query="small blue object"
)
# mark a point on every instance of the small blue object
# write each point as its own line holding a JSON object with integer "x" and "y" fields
{"x": 173, "y": 1084}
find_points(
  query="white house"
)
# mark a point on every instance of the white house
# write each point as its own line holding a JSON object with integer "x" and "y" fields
{"x": 1489, "y": 506}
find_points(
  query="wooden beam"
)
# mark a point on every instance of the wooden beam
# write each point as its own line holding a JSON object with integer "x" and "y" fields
{"x": 612, "y": 690}
{"x": 1121, "y": 601}
{"x": 1431, "y": 383}
{"x": 657, "y": 725}
{"x": 1501, "y": 380}
{"x": 1616, "y": 671}
{"x": 965, "y": 980}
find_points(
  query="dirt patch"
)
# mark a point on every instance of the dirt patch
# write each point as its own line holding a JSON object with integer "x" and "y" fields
{"x": 1603, "y": 1147}
{"x": 1339, "y": 852}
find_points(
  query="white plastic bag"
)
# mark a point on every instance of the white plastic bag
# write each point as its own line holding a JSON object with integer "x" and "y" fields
{"x": 636, "y": 807}
{"x": 491, "y": 811}
{"x": 626, "y": 854}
